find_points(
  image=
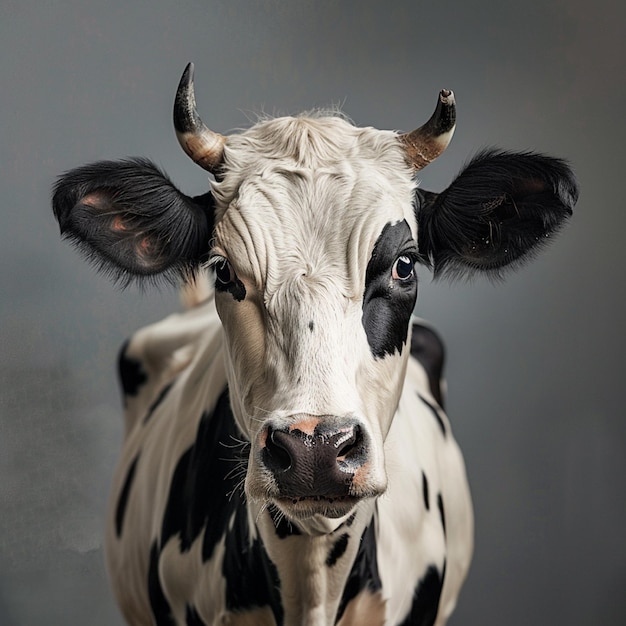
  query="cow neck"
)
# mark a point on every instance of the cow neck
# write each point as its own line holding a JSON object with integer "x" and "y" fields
{"x": 314, "y": 566}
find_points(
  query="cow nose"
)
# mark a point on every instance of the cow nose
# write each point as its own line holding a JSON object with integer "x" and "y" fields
{"x": 315, "y": 461}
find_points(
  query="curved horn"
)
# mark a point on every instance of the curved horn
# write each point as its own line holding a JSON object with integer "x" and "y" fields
{"x": 426, "y": 143}
{"x": 204, "y": 146}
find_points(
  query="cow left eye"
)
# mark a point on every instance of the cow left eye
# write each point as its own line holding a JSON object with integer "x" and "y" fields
{"x": 402, "y": 269}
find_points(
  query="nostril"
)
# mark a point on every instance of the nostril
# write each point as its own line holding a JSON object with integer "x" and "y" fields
{"x": 277, "y": 457}
{"x": 350, "y": 446}
{"x": 346, "y": 443}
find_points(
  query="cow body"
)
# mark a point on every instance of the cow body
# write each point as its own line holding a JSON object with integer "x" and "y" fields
{"x": 211, "y": 558}
{"x": 286, "y": 460}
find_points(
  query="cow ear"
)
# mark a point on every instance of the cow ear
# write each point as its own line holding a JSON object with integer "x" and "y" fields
{"x": 500, "y": 209}
{"x": 131, "y": 220}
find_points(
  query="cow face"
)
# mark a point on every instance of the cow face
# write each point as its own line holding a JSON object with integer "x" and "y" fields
{"x": 313, "y": 230}
{"x": 314, "y": 250}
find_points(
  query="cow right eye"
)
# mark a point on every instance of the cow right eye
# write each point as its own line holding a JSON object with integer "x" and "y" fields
{"x": 224, "y": 274}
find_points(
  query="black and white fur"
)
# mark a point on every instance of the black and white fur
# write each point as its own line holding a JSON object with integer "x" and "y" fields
{"x": 312, "y": 230}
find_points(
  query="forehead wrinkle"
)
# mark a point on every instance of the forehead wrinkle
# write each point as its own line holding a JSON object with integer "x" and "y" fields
{"x": 319, "y": 223}
{"x": 244, "y": 243}
{"x": 291, "y": 219}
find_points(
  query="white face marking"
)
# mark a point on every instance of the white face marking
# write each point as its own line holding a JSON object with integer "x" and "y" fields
{"x": 298, "y": 230}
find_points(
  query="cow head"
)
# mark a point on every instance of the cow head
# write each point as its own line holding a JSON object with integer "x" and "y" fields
{"x": 313, "y": 229}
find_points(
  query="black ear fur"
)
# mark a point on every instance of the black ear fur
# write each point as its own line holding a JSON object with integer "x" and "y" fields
{"x": 130, "y": 219}
{"x": 500, "y": 209}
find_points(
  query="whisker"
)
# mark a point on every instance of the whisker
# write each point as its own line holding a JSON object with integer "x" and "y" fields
{"x": 235, "y": 472}
{"x": 238, "y": 487}
{"x": 264, "y": 506}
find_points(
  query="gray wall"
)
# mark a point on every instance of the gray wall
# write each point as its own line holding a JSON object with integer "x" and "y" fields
{"x": 535, "y": 364}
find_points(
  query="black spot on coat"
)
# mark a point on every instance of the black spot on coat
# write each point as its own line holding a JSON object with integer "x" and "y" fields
{"x": 205, "y": 496}
{"x": 152, "y": 408}
{"x": 159, "y": 605}
{"x": 338, "y": 550}
{"x": 442, "y": 513}
{"x": 425, "y": 491}
{"x": 428, "y": 349}
{"x": 426, "y": 599}
{"x": 435, "y": 412}
{"x": 251, "y": 577}
{"x": 364, "y": 573}
{"x": 203, "y": 483}
{"x": 131, "y": 373}
{"x": 122, "y": 501}
{"x": 192, "y": 618}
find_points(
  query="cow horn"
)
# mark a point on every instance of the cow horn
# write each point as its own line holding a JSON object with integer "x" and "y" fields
{"x": 426, "y": 143}
{"x": 204, "y": 146}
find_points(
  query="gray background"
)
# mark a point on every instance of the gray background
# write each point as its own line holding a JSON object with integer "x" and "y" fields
{"x": 535, "y": 365}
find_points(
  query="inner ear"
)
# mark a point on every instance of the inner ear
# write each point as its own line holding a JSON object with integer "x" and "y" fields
{"x": 119, "y": 235}
{"x": 130, "y": 219}
{"x": 94, "y": 200}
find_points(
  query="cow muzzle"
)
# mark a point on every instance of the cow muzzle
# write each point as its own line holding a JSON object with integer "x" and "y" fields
{"x": 320, "y": 465}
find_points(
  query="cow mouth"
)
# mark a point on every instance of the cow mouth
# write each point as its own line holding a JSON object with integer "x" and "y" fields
{"x": 303, "y": 507}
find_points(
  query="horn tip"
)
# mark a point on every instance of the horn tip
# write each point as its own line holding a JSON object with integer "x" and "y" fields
{"x": 187, "y": 76}
{"x": 184, "y": 102}
{"x": 446, "y": 96}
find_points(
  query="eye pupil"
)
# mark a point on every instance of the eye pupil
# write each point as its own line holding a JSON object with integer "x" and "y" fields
{"x": 402, "y": 268}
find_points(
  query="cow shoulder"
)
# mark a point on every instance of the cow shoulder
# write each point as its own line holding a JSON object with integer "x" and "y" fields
{"x": 155, "y": 356}
{"x": 425, "y": 540}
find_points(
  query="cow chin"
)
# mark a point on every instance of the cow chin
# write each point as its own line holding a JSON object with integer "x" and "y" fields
{"x": 304, "y": 508}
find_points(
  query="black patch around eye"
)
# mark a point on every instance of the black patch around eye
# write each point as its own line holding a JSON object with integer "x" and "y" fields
{"x": 388, "y": 304}
{"x": 236, "y": 290}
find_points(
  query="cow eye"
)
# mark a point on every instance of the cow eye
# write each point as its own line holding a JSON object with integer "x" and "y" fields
{"x": 224, "y": 274}
{"x": 402, "y": 268}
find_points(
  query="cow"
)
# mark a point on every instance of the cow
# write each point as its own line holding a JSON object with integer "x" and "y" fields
{"x": 287, "y": 458}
